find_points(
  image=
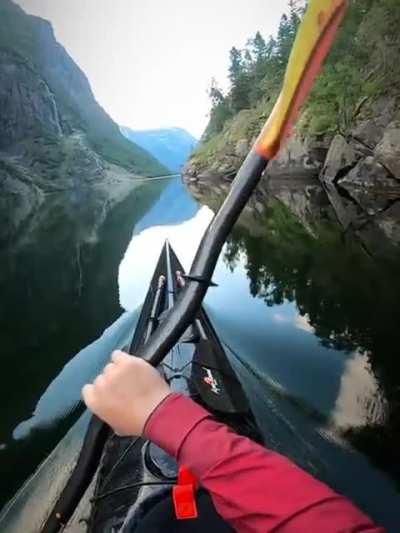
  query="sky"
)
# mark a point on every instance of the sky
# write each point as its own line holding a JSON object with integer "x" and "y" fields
{"x": 151, "y": 62}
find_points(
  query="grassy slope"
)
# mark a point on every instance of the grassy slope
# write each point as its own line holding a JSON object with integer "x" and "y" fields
{"x": 27, "y": 36}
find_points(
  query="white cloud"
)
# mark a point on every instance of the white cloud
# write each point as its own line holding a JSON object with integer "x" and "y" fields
{"x": 302, "y": 322}
{"x": 359, "y": 400}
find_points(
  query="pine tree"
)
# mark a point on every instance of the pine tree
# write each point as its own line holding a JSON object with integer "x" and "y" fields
{"x": 215, "y": 93}
{"x": 236, "y": 67}
{"x": 239, "y": 77}
{"x": 259, "y": 47}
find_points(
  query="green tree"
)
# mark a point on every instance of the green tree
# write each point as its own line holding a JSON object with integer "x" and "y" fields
{"x": 220, "y": 110}
{"x": 259, "y": 48}
{"x": 238, "y": 75}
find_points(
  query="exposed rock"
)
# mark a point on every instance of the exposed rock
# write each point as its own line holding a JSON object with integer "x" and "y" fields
{"x": 54, "y": 136}
{"x": 388, "y": 150}
{"x": 369, "y": 131}
{"x": 388, "y": 222}
{"x": 28, "y": 107}
{"x": 19, "y": 199}
{"x": 340, "y": 156}
{"x": 370, "y": 185}
{"x": 242, "y": 148}
{"x": 299, "y": 157}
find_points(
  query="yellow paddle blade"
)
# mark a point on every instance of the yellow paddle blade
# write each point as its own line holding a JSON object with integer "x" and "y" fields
{"x": 314, "y": 40}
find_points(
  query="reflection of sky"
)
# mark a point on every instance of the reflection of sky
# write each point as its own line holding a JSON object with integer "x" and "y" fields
{"x": 64, "y": 393}
{"x": 141, "y": 256}
{"x": 278, "y": 342}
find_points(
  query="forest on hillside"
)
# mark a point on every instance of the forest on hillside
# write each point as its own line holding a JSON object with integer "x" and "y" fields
{"x": 362, "y": 65}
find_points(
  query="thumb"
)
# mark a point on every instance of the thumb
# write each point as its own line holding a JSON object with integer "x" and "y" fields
{"x": 89, "y": 397}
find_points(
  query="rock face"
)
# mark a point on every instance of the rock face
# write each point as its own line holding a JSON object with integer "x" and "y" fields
{"x": 54, "y": 136}
{"x": 299, "y": 156}
{"x": 370, "y": 185}
{"x": 28, "y": 107}
{"x": 388, "y": 150}
{"x": 358, "y": 175}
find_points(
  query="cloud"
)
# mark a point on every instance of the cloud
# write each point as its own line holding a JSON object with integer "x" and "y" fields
{"x": 302, "y": 322}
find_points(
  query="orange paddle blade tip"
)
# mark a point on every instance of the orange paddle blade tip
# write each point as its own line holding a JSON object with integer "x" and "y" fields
{"x": 314, "y": 40}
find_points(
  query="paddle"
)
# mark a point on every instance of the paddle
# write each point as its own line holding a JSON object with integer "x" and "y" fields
{"x": 314, "y": 39}
{"x": 313, "y": 42}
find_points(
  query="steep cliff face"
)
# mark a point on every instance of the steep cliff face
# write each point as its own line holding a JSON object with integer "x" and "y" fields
{"x": 28, "y": 107}
{"x": 54, "y": 136}
{"x": 348, "y": 138}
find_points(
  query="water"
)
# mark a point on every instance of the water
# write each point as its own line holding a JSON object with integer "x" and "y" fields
{"x": 310, "y": 324}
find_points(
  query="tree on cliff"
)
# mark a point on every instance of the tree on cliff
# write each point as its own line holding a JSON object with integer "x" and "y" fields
{"x": 239, "y": 78}
{"x": 363, "y": 65}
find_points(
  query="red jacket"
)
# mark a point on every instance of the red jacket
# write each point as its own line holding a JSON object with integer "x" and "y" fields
{"x": 252, "y": 488}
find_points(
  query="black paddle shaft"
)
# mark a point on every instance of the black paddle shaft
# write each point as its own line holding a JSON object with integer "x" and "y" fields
{"x": 191, "y": 297}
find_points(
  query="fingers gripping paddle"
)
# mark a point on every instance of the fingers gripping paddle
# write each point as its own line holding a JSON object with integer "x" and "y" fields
{"x": 314, "y": 40}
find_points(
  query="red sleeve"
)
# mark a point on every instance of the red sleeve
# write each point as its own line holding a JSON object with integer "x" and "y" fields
{"x": 252, "y": 488}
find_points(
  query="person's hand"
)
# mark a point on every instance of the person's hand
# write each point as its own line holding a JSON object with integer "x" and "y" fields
{"x": 126, "y": 393}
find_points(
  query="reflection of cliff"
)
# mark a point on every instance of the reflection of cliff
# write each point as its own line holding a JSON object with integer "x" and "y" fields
{"x": 350, "y": 301}
{"x": 57, "y": 297}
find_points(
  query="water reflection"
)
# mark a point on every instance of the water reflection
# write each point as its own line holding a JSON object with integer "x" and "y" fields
{"x": 141, "y": 256}
{"x": 310, "y": 324}
{"x": 58, "y": 286}
{"x": 63, "y": 394}
{"x": 359, "y": 401}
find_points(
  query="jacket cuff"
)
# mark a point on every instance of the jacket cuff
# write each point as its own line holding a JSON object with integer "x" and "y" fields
{"x": 172, "y": 421}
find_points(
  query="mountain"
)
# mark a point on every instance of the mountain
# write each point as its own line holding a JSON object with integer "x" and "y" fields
{"x": 171, "y": 146}
{"x": 54, "y": 136}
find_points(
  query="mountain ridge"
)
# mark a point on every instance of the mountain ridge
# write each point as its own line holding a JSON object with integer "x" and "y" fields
{"x": 171, "y": 146}
{"x": 54, "y": 136}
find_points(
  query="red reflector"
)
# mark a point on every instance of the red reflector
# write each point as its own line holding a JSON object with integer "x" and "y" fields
{"x": 184, "y": 495}
{"x": 185, "y": 477}
{"x": 184, "y": 502}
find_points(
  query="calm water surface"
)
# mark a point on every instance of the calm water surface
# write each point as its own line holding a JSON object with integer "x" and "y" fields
{"x": 310, "y": 324}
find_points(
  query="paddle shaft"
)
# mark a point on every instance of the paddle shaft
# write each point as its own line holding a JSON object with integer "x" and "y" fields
{"x": 190, "y": 299}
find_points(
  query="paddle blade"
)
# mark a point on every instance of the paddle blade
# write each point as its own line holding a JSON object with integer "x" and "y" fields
{"x": 314, "y": 40}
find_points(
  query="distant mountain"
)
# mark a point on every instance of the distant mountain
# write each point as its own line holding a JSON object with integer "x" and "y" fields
{"x": 40, "y": 82}
{"x": 171, "y": 146}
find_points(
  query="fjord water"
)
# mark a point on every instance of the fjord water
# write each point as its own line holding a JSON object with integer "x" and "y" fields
{"x": 310, "y": 324}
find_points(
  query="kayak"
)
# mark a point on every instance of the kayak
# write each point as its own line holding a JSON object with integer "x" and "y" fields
{"x": 117, "y": 481}
{"x": 132, "y": 471}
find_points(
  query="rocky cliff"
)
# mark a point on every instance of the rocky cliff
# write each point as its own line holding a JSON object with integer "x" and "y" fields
{"x": 346, "y": 149}
{"x": 54, "y": 136}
